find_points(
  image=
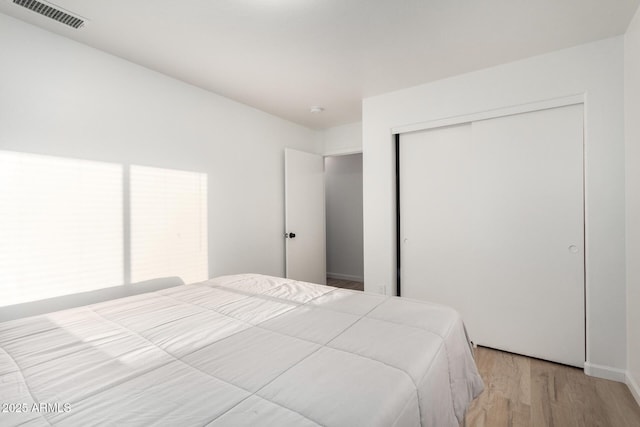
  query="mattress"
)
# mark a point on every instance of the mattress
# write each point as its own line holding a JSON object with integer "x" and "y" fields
{"x": 241, "y": 350}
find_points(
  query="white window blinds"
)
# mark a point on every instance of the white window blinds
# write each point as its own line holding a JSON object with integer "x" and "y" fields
{"x": 168, "y": 224}
{"x": 65, "y": 229}
{"x": 61, "y": 226}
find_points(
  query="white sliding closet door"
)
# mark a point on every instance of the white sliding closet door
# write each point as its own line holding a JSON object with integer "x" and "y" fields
{"x": 436, "y": 169}
{"x": 492, "y": 224}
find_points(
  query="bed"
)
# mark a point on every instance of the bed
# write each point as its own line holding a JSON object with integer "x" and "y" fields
{"x": 241, "y": 350}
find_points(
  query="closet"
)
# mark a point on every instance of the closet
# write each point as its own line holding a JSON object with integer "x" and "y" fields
{"x": 491, "y": 222}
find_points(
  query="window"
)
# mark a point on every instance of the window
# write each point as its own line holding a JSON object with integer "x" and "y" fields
{"x": 64, "y": 226}
{"x": 168, "y": 224}
{"x": 61, "y": 226}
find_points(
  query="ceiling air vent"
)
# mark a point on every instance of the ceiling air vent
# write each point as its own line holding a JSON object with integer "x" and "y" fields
{"x": 51, "y": 11}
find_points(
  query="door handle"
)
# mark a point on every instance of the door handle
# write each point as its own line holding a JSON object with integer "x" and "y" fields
{"x": 289, "y": 235}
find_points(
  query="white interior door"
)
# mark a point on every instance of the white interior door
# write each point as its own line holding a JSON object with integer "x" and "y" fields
{"x": 492, "y": 224}
{"x": 305, "y": 217}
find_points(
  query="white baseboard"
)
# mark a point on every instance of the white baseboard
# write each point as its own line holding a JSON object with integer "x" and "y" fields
{"x": 633, "y": 387}
{"x": 343, "y": 151}
{"x": 341, "y": 276}
{"x": 606, "y": 372}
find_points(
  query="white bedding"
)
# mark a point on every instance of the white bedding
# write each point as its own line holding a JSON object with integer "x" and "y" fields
{"x": 241, "y": 350}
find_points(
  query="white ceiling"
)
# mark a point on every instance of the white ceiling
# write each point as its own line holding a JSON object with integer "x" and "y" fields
{"x": 283, "y": 56}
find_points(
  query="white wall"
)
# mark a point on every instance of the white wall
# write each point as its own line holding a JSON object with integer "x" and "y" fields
{"x": 343, "y": 139}
{"x": 632, "y": 138}
{"x": 343, "y": 191}
{"x": 62, "y": 98}
{"x": 595, "y": 69}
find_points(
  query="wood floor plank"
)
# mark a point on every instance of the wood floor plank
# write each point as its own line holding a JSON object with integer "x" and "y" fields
{"x": 506, "y": 401}
{"x": 345, "y": 284}
{"x": 527, "y": 392}
{"x": 622, "y": 409}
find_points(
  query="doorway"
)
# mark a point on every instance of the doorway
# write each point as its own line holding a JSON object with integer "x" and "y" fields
{"x": 344, "y": 224}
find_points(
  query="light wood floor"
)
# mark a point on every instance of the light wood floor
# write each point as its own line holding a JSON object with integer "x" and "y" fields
{"x": 520, "y": 391}
{"x": 346, "y": 284}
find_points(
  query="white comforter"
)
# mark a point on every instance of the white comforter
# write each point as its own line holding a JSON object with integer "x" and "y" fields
{"x": 240, "y": 350}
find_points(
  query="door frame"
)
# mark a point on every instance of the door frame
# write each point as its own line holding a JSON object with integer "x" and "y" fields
{"x": 492, "y": 114}
{"x": 335, "y": 153}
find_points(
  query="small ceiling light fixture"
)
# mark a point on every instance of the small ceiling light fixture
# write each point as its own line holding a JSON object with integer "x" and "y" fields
{"x": 316, "y": 109}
